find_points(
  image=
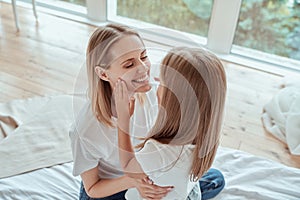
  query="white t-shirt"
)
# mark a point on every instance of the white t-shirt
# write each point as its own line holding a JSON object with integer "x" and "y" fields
{"x": 167, "y": 165}
{"x": 94, "y": 144}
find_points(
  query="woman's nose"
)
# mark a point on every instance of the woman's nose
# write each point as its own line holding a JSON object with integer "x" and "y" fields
{"x": 142, "y": 67}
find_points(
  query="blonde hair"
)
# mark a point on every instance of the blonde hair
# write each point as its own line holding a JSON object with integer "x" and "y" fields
{"x": 97, "y": 54}
{"x": 192, "y": 104}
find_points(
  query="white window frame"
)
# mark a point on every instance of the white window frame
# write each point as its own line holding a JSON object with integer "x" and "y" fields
{"x": 58, "y": 6}
{"x": 220, "y": 34}
{"x": 219, "y": 40}
{"x": 152, "y": 32}
{"x": 222, "y": 28}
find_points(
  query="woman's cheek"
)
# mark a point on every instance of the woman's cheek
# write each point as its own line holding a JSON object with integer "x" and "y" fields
{"x": 128, "y": 77}
{"x": 130, "y": 86}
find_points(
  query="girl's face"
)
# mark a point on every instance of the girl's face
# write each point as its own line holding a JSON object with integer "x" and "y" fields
{"x": 130, "y": 63}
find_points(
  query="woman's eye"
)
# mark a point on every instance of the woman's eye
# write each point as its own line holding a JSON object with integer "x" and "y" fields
{"x": 144, "y": 57}
{"x": 128, "y": 65}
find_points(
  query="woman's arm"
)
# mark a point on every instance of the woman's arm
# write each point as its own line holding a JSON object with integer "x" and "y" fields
{"x": 96, "y": 187}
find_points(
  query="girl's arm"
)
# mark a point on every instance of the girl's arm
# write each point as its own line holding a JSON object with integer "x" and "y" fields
{"x": 127, "y": 156}
{"x": 130, "y": 165}
{"x": 128, "y": 161}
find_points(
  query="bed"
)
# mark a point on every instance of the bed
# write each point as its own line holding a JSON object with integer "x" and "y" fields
{"x": 30, "y": 171}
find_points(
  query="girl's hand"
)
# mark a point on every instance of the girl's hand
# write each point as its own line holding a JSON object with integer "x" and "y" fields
{"x": 124, "y": 105}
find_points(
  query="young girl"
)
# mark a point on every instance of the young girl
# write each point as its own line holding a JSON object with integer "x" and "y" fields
{"x": 182, "y": 144}
{"x": 113, "y": 51}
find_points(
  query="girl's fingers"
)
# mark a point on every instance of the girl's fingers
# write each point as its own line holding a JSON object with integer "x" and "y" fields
{"x": 123, "y": 86}
{"x": 117, "y": 89}
{"x": 120, "y": 89}
{"x": 131, "y": 105}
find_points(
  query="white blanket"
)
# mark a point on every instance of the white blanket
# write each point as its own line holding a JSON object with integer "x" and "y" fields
{"x": 281, "y": 116}
{"x": 34, "y": 133}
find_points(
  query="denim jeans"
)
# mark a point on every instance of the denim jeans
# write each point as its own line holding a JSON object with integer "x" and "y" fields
{"x": 211, "y": 184}
{"x": 118, "y": 196}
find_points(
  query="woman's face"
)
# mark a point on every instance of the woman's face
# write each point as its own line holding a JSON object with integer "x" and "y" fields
{"x": 130, "y": 63}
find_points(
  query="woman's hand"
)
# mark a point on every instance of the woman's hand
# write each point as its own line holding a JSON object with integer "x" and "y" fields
{"x": 124, "y": 105}
{"x": 148, "y": 190}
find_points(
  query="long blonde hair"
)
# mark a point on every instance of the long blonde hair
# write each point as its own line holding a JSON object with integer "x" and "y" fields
{"x": 192, "y": 104}
{"x": 97, "y": 54}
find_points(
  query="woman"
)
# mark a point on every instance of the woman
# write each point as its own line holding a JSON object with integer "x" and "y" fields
{"x": 111, "y": 52}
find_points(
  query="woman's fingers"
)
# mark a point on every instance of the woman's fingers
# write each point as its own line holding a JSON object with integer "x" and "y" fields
{"x": 152, "y": 191}
{"x": 155, "y": 190}
{"x": 147, "y": 180}
{"x": 152, "y": 194}
{"x": 155, "y": 197}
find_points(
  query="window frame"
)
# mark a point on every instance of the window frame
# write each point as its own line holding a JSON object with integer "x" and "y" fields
{"x": 219, "y": 40}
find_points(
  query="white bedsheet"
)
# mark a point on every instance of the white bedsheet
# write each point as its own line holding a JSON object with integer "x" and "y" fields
{"x": 53, "y": 183}
{"x": 250, "y": 177}
{"x": 247, "y": 177}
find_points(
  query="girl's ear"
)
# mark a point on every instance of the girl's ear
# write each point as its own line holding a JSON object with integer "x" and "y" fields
{"x": 101, "y": 73}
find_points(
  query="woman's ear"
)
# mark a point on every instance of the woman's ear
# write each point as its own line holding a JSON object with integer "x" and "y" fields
{"x": 101, "y": 73}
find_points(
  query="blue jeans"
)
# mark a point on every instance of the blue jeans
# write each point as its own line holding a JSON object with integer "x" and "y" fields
{"x": 118, "y": 196}
{"x": 211, "y": 184}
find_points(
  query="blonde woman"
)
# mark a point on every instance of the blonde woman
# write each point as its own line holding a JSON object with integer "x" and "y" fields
{"x": 113, "y": 51}
{"x": 182, "y": 144}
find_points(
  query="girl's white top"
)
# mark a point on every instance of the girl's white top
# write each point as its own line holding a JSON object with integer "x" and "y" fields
{"x": 94, "y": 144}
{"x": 167, "y": 165}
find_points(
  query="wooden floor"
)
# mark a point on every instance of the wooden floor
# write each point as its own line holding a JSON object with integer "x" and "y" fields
{"x": 44, "y": 59}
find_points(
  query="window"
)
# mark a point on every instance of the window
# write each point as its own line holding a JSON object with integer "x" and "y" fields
{"x": 262, "y": 30}
{"x": 190, "y": 16}
{"x": 270, "y": 26}
{"x": 78, "y": 2}
{"x": 61, "y": 7}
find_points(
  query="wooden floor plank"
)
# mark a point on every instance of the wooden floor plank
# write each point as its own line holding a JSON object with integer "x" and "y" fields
{"x": 15, "y": 91}
{"x": 51, "y": 79}
{"x": 26, "y": 85}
